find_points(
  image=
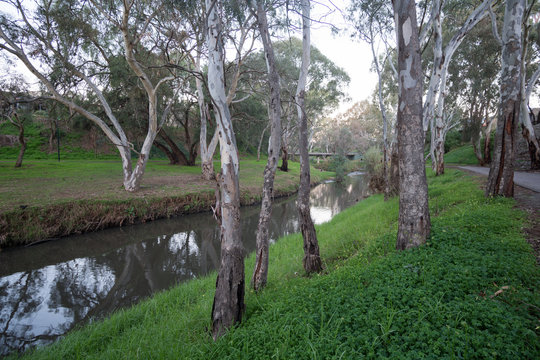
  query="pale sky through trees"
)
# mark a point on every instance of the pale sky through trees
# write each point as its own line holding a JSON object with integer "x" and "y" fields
{"x": 350, "y": 54}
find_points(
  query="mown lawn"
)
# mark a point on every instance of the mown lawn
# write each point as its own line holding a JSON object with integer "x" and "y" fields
{"x": 47, "y": 182}
{"x": 471, "y": 292}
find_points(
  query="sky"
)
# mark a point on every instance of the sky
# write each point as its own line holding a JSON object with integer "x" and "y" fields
{"x": 350, "y": 54}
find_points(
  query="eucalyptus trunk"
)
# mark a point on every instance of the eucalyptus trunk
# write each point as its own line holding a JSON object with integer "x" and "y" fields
{"x": 206, "y": 149}
{"x": 312, "y": 259}
{"x": 260, "y": 272}
{"x": 228, "y": 306}
{"x": 527, "y": 129}
{"x": 414, "y": 220}
{"x": 501, "y": 173}
{"x": 433, "y": 113}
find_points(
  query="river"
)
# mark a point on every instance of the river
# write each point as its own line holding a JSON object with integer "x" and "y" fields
{"x": 47, "y": 289}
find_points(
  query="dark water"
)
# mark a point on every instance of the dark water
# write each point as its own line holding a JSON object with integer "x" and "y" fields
{"x": 46, "y": 289}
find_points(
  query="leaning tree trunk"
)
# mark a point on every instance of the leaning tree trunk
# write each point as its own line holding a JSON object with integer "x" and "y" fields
{"x": 260, "y": 142}
{"x": 173, "y": 160}
{"x": 414, "y": 221}
{"x": 501, "y": 173}
{"x": 228, "y": 306}
{"x": 312, "y": 259}
{"x": 260, "y": 272}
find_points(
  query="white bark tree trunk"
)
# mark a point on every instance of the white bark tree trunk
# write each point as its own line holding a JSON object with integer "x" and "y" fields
{"x": 433, "y": 114}
{"x": 131, "y": 177}
{"x": 312, "y": 259}
{"x": 228, "y": 306}
{"x": 501, "y": 173}
{"x": 526, "y": 89}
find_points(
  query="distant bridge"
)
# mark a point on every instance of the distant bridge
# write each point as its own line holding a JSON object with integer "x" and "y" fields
{"x": 350, "y": 156}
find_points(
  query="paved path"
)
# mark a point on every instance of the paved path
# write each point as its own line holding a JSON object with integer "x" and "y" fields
{"x": 528, "y": 180}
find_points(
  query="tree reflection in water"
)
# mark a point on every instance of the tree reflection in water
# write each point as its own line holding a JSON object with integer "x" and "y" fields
{"x": 45, "y": 290}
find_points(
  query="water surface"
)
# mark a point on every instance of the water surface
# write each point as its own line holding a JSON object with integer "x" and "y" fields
{"x": 47, "y": 289}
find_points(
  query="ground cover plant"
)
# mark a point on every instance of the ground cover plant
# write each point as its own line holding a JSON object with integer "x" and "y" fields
{"x": 470, "y": 292}
{"x": 44, "y": 199}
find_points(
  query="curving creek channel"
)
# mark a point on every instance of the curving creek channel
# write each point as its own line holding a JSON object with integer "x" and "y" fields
{"x": 47, "y": 289}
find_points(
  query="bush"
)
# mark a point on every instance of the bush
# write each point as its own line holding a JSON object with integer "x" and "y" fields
{"x": 339, "y": 165}
{"x": 453, "y": 140}
{"x": 373, "y": 160}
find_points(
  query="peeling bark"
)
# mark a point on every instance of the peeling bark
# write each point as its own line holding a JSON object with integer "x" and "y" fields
{"x": 414, "y": 221}
{"x": 501, "y": 173}
{"x": 228, "y": 306}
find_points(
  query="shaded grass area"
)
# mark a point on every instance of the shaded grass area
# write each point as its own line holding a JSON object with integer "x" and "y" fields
{"x": 463, "y": 155}
{"x": 46, "y": 199}
{"x": 470, "y": 292}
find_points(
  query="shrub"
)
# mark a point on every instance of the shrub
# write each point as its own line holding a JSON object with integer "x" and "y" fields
{"x": 373, "y": 160}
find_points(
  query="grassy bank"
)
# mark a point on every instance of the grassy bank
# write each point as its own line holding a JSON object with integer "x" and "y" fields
{"x": 46, "y": 199}
{"x": 463, "y": 155}
{"x": 470, "y": 292}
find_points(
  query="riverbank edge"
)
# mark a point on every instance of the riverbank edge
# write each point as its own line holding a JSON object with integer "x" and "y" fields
{"x": 174, "y": 323}
{"x": 36, "y": 224}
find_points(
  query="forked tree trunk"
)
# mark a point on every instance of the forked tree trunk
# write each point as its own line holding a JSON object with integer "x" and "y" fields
{"x": 260, "y": 272}
{"x": 312, "y": 259}
{"x": 501, "y": 173}
{"x": 206, "y": 149}
{"x": 434, "y": 107}
{"x": 228, "y": 306}
{"x": 414, "y": 222}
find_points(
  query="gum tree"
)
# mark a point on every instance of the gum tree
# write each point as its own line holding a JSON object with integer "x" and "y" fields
{"x": 312, "y": 259}
{"x": 228, "y": 306}
{"x": 260, "y": 272}
{"x": 414, "y": 221}
{"x": 501, "y": 172}
{"x": 68, "y": 46}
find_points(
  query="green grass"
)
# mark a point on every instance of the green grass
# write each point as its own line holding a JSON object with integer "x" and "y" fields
{"x": 48, "y": 199}
{"x": 463, "y": 155}
{"x": 36, "y": 138}
{"x": 48, "y": 182}
{"x": 436, "y": 301}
